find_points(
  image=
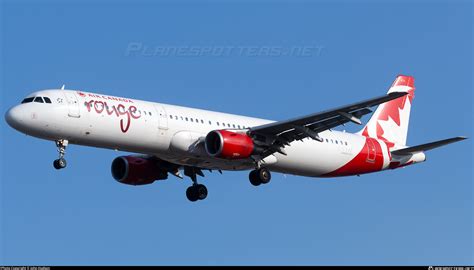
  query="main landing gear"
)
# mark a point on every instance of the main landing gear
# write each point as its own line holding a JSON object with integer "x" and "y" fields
{"x": 61, "y": 163}
{"x": 196, "y": 191}
{"x": 260, "y": 176}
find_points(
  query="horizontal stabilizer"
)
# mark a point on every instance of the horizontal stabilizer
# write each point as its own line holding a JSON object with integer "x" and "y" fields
{"x": 426, "y": 146}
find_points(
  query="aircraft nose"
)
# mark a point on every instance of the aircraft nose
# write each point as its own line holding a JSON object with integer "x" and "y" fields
{"x": 14, "y": 117}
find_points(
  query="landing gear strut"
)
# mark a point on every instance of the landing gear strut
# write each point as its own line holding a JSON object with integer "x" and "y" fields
{"x": 260, "y": 176}
{"x": 196, "y": 191}
{"x": 61, "y": 163}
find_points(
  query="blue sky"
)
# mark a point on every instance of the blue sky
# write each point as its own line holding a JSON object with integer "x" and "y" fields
{"x": 418, "y": 215}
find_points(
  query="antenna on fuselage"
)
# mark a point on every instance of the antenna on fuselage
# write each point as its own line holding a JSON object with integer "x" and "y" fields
{"x": 62, "y": 87}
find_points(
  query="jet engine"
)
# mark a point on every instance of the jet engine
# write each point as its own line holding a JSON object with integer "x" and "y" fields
{"x": 229, "y": 145}
{"x": 134, "y": 170}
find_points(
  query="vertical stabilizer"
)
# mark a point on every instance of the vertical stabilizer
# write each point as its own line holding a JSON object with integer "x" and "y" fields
{"x": 390, "y": 120}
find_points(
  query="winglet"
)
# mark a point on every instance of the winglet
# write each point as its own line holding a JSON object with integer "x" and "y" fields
{"x": 62, "y": 87}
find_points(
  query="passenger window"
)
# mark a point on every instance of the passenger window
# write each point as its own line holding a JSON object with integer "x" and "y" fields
{"x": 192, "y": 120}
{"x": 233, "y": 125}
{"x": 337, "y": 142}
{"x": 186, "y": 119}
{"x": 202, "y": 121}
{"x": 210, "y": 123}
{"x": 47, "y": 100}
{"x": 39, "y": 100}
{"x": 171, "y": 117}
{"x": 346, "y": 143}
{"x": 217, "y": 123}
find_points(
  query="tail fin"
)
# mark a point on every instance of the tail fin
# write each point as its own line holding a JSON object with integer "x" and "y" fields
{"x": 390, "y": 120}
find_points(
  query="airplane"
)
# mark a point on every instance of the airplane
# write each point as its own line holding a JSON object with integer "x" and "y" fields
{"x": 169, "y": 139}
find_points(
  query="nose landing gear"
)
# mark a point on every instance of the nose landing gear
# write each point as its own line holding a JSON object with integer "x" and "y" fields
{"x": 61, "y": 163}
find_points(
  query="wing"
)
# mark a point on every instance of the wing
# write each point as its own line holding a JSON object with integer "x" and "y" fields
{"x": 426, "y": 146}
{"x": 274, "y": 136}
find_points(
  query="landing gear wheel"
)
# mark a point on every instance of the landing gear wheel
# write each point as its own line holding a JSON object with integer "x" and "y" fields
{"x": 191, "y": 194}
{"x": 60, "y": 163}
{"x": 253, "y": 177}
{"x": 56, "y": 165}
{"x": 264, "y": 175}
{"x": 260, "y": 176}
{"x": 196, "y": 192}
{"x": 201, "y": 191}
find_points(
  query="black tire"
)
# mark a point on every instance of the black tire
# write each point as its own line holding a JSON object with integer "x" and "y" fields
{"x": 191, "y": 194}
{"x": 254, "y": 180}
{"x": 56, "y": 164}
{"x": 264, "y": 175}
{"x": 62, "y": 163}
{"x": 201, "y": 191}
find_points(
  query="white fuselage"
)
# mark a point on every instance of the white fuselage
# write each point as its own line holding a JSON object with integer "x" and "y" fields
{"x": 174, "y": 133}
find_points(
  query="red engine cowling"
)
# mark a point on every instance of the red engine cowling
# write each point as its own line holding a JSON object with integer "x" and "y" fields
{"x": 135, "y": 171}
{"x": 229, "y": 145}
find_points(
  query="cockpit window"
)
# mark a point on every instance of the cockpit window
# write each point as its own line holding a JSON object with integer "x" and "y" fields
{"x": 47, "y": 100}
{"x": 39, "y": 100}
{"x": 27, "y": 100}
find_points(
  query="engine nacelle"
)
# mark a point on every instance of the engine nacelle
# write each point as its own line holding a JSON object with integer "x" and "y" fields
{"x": 229, "y": 145}
{"x": 132, "y": 170}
